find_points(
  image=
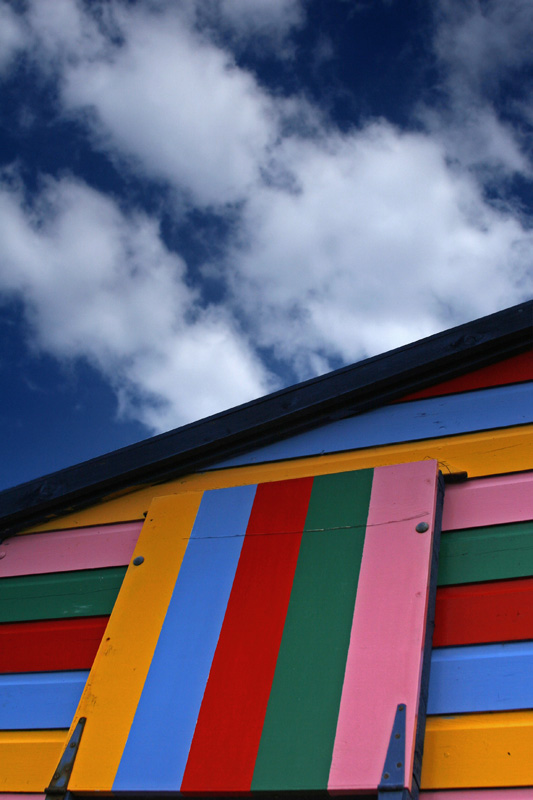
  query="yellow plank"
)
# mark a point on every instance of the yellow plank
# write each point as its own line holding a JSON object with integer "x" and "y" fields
{"x": 28, "y": 759}
{"x": 122, "y": 662}
{"x": 485, "y": 453}
{"x": 478, "y": 750}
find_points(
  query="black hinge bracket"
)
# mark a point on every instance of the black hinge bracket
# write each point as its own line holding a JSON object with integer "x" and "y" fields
{"x": 392, "y": 784}
{"x": 59, "y": 783}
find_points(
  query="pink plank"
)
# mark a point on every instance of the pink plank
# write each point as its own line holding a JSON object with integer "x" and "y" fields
{"x": 479, "y": 794}
{"x": 385, "y": 654}
{"x": 488, "y": 501}
{"x": 21, "y": 796}
{"x": 63, "y": 551}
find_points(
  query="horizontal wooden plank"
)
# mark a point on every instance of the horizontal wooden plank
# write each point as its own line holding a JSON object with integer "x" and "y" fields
{"x": 479, "y": 794}
{"x": 489, "y": 501}
{"x": 40, "y": 700}
{"x": 29, "y": 759}
{"x": 512, "y": 370}
{"x": 497, "y": 611}
{"x": 478, "y": 750}
{"x": 485, "y": 677}
{"x": 479, "y": 454}
{"x": 60, "y": 551}
{"x": 405, "y": 422}
{"x": 497, "y": 552}
{"x": 86, "y": 593}
{"x": 57, "y": 644}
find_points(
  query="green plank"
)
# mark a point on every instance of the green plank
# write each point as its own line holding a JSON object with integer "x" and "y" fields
{"x": 299, "y": 729}
{"x": 83, "y": 593}
{"x": 492, "y": 553}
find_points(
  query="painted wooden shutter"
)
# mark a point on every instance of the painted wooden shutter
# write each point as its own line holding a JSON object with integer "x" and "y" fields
{"x": 264, "y": 639}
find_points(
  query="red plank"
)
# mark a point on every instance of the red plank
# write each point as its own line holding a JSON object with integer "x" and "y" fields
{"x": 56, "y": 644}
{"x": 497, "y": 611}
{"x": 228, "y": 731}
{"x": 513, "y": 370}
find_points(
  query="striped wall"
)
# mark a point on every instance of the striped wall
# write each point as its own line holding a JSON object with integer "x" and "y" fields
{"x": 484, "y": 611}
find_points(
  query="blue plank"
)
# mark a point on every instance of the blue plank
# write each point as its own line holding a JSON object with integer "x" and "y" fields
{"x": 156, "y": 751}
{"x": 485, "y": 409}
{"x": 40, "y": 700}
{"x": 495, "y": 677}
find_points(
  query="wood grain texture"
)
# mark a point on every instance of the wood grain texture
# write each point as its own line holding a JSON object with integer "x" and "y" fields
{"x": 421, "y": 419}
{"x": 494, "y": 677}
{"x": 512, "y": 370}
{"x": 158, "y": 744}
{"x": 478, "y": 750}
{"x": 479, "y": 454}
{"x": 384, "y": 661}
{"x": 299, "y": 728}
{"x": 40, "y": 700}
{"x": 77, "y": 549}
{"x": 29, "y": 758}
{"x": 86, "y": 593}
{"x": 123, "y": 660}
{"x": 489, "y": 501}
{"x": 228, "y": 731}
{"x": 59, "y": 644}
{"x": 497, "y": 611}
{"x": 497, "y": 552}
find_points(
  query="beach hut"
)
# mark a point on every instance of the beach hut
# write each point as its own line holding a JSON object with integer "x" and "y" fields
{"x": 326, "y": 591}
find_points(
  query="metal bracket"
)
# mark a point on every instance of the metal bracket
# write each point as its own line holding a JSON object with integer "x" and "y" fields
{"x": 60, "y": 779}
{"x": 392, "y": 783}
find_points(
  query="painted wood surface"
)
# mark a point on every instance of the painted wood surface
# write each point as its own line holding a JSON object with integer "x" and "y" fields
{"x": 292, "y": 531}
{"x": 59, "y": 644}
{"x": 498, "y": 611}
{"x": 385, "y": 654}
{"x": 478, "y": 750}
{"x": 421, "y": 419}
{"x": 86, "y": 593}
{"x": 479, "y": 794}
{"x": 512, "y": 370}
{"x": 489, "y": 501}
{"x": 116, "y": 680}
{"x": 29, "y": 758}
{"x": 226, "y": 739}
{"x": 151, "y": 760}
{"x": 61, "y": 551}
{"x": 40, "y": 700}
{"x": 479, "y": 454}
{"x": 494, "y": 677}
{"x": 492, "y": 553}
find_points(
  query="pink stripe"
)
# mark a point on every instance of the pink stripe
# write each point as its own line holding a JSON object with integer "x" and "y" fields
{"x": 21, "y": 796}
{"x": 488, "y": 501}
{"x": 385, "y": 654}
{"x": 479, "y": 794}
{"x": 63, "y": 551}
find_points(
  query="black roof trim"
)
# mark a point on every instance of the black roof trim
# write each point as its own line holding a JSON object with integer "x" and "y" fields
{"x": 347, "y": 391}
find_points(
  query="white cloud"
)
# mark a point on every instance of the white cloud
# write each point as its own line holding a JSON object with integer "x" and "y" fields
{"x": 12, "y": 36}
{"x": 99, "y": 283}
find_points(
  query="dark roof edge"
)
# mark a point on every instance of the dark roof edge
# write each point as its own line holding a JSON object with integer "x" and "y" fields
{"x": 349, "y": 390}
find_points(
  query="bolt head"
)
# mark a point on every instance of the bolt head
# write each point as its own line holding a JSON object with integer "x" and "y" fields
{"x": 422, "y": 527}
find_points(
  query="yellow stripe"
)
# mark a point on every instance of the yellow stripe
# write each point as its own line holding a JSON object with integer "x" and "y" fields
{"x": 116, "y": 680}
{"x": 28, "y": 759}
{"x": 485, "y": 453}
{"x": 478, "y": 750}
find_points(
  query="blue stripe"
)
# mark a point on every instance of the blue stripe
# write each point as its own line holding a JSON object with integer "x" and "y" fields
{"x": 157, "y": 748}
{"x": 32, "y": 701}
{"x": 489, "y": 677}
{"x": 485, "y": 409}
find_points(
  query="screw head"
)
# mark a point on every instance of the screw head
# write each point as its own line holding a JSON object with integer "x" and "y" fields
{"x": 138, "y": 560}
{"x": 422, "y": 527}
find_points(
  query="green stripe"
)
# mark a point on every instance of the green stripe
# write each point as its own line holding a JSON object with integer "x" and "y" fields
{"x": 486, "y": 554}
{"x": 300, "y": 723}
{"x": 83, "y": 593}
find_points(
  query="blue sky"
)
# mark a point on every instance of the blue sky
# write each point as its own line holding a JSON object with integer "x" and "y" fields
{"x": 203, "y": 201}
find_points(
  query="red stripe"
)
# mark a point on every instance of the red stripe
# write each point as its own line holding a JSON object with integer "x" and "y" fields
{"x": 496, "y": 611}
{"x": 55, "y": 644}
{"x": 513, "y": 370}
{"x": 226, "y": 739}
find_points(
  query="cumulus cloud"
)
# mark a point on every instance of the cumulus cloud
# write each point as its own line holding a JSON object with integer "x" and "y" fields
{"x": 99, "y": 283}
